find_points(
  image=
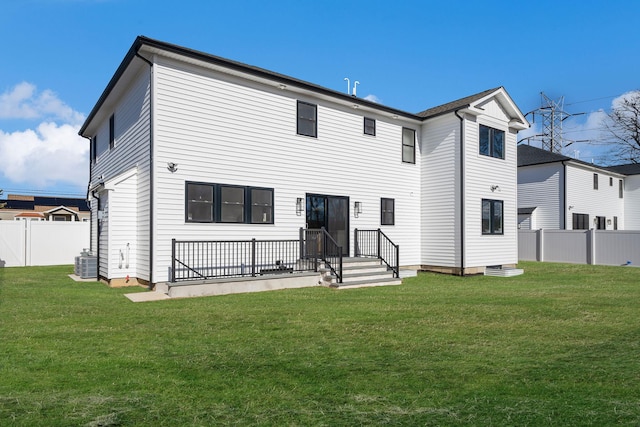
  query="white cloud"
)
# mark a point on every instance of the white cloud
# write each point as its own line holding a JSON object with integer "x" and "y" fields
{"x": 373, "y": 98}
{"x": 49, "y": 155}
{"x": 23, "y": 101}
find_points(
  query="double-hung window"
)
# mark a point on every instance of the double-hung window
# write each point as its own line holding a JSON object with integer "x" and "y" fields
{"x": 408, "y": 145}
{"x": 492, "y": 216}
{"x": 387, "y": 212}
{"x": 94, "y": 148}
{"x": 200, "y": 202}
{"x": 491, "y": 142}
{"x": 307, "y": 119}
{"x": 369, "y": 126}
{"x": 261, "y": 205}
{"x": 232, "y": 203}
{"x": 595, "y": 181}
{"x": 620, "y": 188}
{"x": 112, "y": 131}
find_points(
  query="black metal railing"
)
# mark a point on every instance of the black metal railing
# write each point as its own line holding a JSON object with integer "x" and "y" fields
{"x": 374, "y": 243}
{"x": 318, "y": 244}
{"x": 193, "y": 260}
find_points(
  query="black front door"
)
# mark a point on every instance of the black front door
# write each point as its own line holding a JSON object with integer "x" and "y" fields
{"x": 332, "y": 213}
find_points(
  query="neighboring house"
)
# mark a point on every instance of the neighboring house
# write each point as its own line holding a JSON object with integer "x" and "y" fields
{"x": 631, "y": 194}
{"x": 190, "y": 146}
{"x": 44, "y": 208}
{"x": 559, "y": 192}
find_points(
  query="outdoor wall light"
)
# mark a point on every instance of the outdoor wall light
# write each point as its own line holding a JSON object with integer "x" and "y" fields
{"x": 299, "y": 207}
{"x": 609, "y": 222}
{"x": 357, "y": 209}
{"x": 495, "y": 188}
{"x": 173, "y": 167}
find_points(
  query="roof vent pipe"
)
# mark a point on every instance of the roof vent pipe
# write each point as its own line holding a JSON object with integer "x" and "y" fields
{"x": 348, "y": 84}
{"x": 355, "y": 84}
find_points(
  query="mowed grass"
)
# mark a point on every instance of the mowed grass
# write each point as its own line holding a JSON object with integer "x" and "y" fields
{"x": 558, "y": 346}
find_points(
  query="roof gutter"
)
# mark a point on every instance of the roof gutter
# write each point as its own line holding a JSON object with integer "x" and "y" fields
{"x": 461, "y": 188}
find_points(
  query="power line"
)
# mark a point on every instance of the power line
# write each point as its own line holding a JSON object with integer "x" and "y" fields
{"x": 594, "y": 99}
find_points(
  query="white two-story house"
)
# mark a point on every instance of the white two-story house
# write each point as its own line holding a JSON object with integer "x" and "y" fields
{"x": 191, "y": 147}
{"x": 562, "y": 193}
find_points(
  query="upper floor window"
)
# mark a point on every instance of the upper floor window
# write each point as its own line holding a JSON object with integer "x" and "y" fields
{"x": 307, "y": 119}
{"x": 610, "y": 181}
{"x": 369, "y": 126}
{"x": 387, "y": 211}
{"x": 620, "y": 188}
{"x": 408, "y": 145}
{"x": 112, "y": 131}
{"x": 492, "y": 216}
{"x": 491, "y": 142}
{"x": 94, "y": 148}
{"x": 595, "y": 181}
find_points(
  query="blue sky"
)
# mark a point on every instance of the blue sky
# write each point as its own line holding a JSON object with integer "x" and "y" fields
{"x": 58, "y": 55}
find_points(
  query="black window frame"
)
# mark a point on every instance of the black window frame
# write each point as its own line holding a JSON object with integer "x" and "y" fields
{"x": 620, "y": 189}
{"x": 221, "y": 218}
{"x": 314, "y": 134}
{"x": 610, "y": 181}
{"x": 492, "y": 230}
{"x": 251, "y": 204}
{"x": 490, "y": 145}
{"x": 371, "y": 127}
{"x": 112, "y": 131}
{"x": 615, "y": 222}
{"x": 580, "y": 221}
{"x": 412, "y": 145}
{"x": 601, "y": 223}
{"x": 595, "y": 181}
{"x": 217, "y": 204}
{"x": 187, "y": 206}
{"x": 387, "y": 213}
{"x": 94, "y": 148}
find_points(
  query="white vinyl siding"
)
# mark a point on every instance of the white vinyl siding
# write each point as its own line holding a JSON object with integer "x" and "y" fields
{"x": 221, "y": 129}
{"x": 131, "y": 151}
{"x": 490, "y": 178}
{"x": 542, "y": 187}
{"x": 631, "y": 219}
{"x": 439, "y": 197}
{"x": 584, "y": 199}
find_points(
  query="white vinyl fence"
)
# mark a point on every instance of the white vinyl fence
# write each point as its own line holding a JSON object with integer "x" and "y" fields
{"x": 603, "y": 247}
{"x": 25, "y": 243}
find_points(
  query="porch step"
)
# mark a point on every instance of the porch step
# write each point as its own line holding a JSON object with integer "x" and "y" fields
{"x": 349, "y": 276}
{"x": 367, "y": 283}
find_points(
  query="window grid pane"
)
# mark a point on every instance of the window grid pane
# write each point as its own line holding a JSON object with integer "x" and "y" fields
{"x": 231, "y": 204}
{"x": 387, "y": 211}
{"x": 307, "y": 119}
{"x": 408, "y": 145}
{"x": 261, "y": 206}
{"x": 199, "y": 202}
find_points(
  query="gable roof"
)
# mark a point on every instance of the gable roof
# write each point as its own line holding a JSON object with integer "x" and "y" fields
{"x": 630, "y": 169}
{"x": 145, "y": 44}
{"x": 455, "y": 105}
{"x": 528, "y": 155}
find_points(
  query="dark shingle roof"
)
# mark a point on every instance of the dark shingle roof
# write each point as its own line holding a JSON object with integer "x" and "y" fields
{"x": 528, "y": 155}
{"x": 455, "y": 105}
{"x": 630, "y": 169}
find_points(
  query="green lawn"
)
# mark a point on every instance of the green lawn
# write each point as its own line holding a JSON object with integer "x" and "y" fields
{"x": 556, "y": 346}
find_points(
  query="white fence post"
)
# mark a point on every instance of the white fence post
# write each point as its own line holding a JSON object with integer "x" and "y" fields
{"x": 540, "y": 243}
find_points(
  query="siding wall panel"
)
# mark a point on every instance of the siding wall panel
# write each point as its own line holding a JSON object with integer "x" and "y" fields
{"x": 220, "y": 131}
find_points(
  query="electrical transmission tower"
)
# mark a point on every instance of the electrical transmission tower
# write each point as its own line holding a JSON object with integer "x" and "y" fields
{"x": 553, "y": 116}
